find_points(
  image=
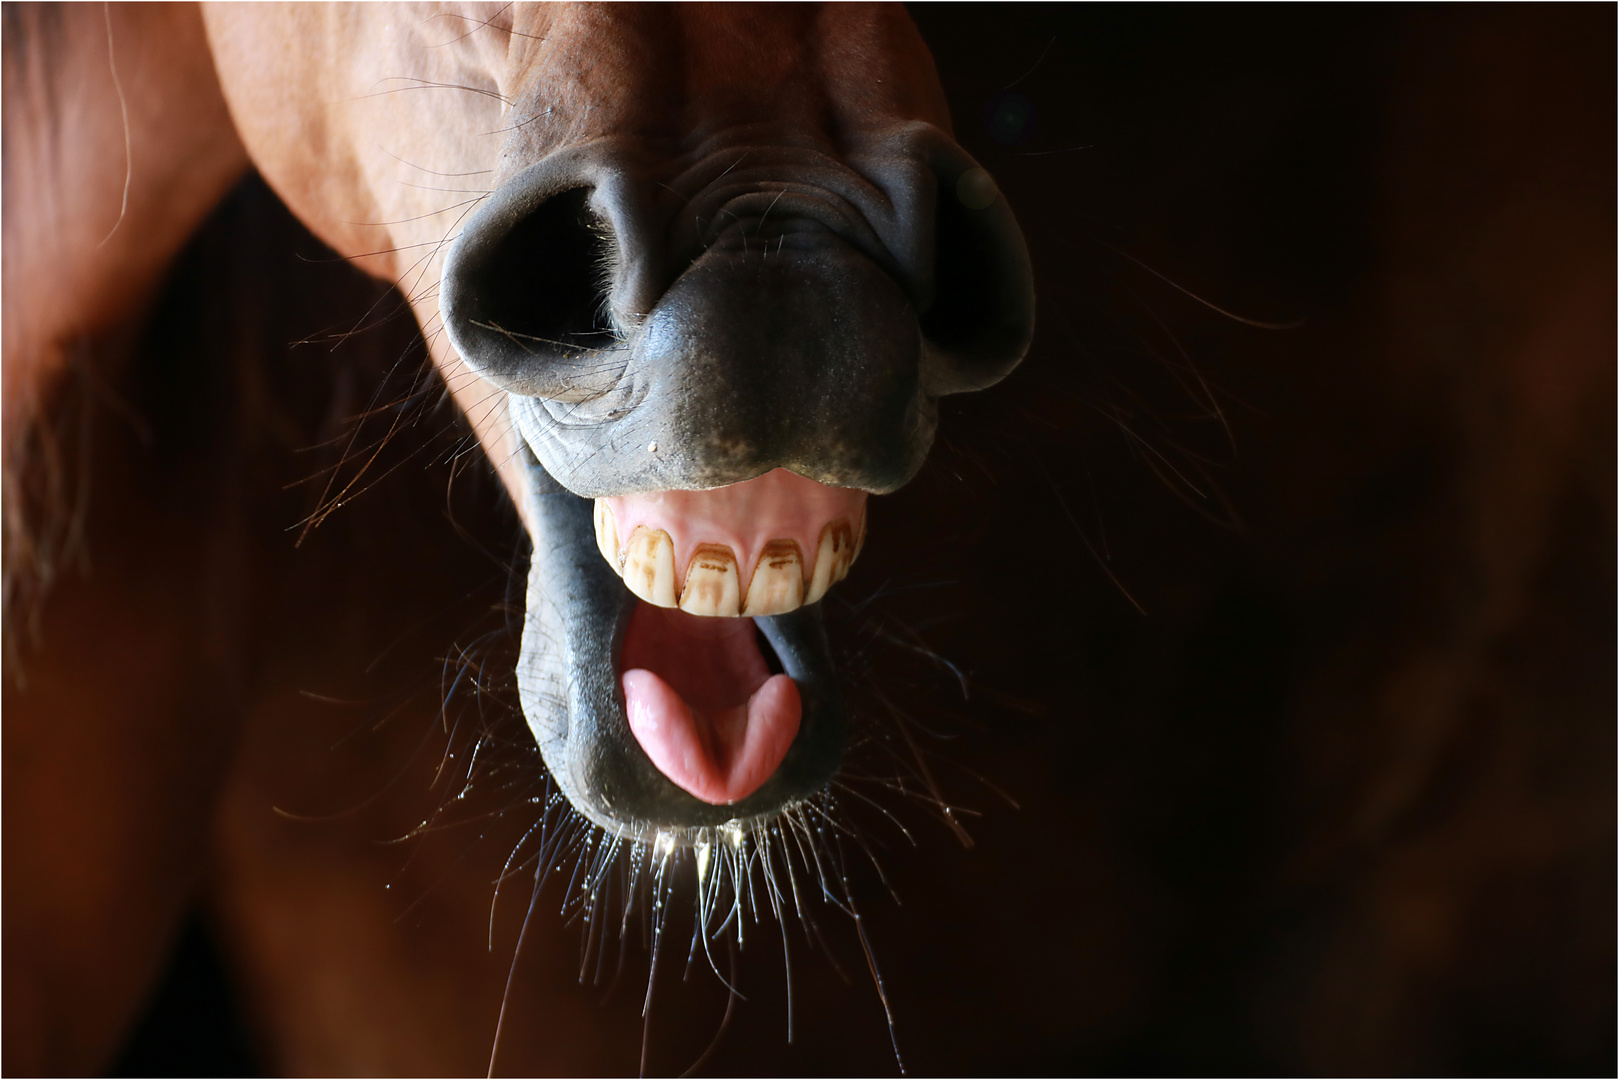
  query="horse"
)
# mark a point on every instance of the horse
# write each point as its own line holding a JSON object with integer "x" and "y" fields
{"x": 720, "y": 269}
{"x": 672, "y": 272}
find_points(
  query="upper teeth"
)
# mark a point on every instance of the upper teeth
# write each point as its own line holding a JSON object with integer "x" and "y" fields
{"x": 712, "y": 584}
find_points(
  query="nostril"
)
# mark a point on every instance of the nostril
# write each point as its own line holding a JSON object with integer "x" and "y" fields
{"x": 981, "y": 318}
{"x": 962, "y": 269}
{"x": 524, "y": 305}
{"x": 548, "y": 277}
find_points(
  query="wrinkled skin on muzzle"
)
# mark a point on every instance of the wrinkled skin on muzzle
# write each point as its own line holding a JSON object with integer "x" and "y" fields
{"x": 719, "y": 243}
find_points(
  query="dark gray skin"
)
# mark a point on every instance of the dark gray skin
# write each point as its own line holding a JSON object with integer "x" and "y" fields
{"x": 661, "y": 319}
{"x": 768, "y": 307}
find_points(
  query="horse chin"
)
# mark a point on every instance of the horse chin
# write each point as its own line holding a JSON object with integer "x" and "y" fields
{"x": 571, "y": 686}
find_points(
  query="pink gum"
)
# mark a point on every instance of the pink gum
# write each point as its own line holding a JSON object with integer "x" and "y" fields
{"x": 779, "y": 505}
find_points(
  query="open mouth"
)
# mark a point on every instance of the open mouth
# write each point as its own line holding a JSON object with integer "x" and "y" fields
{"x": 675, "y": 670}
{"x": 698, "y": 690}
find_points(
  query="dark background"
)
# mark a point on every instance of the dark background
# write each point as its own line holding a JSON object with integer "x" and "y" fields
{"x": 1292, "y": 644}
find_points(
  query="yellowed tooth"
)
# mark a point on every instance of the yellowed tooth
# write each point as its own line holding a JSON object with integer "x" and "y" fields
{"x": 832, "y": 559}
{"x": 649, "y": 566}
{"x": 778, "y": 580}
{"x": 712, "y": 585}
{"x": 607, "y": 533}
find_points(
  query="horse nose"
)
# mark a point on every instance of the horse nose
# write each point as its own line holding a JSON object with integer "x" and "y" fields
{"x": 550, "y": 280}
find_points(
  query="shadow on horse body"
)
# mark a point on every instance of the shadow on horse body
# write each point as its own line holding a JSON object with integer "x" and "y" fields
{"x": 323, "y": 589}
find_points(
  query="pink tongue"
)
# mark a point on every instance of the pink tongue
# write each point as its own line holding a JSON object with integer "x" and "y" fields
{"x": 702, "y": 703}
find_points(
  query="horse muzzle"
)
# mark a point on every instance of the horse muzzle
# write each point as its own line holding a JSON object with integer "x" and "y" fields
{"x": 725, "y": 353}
